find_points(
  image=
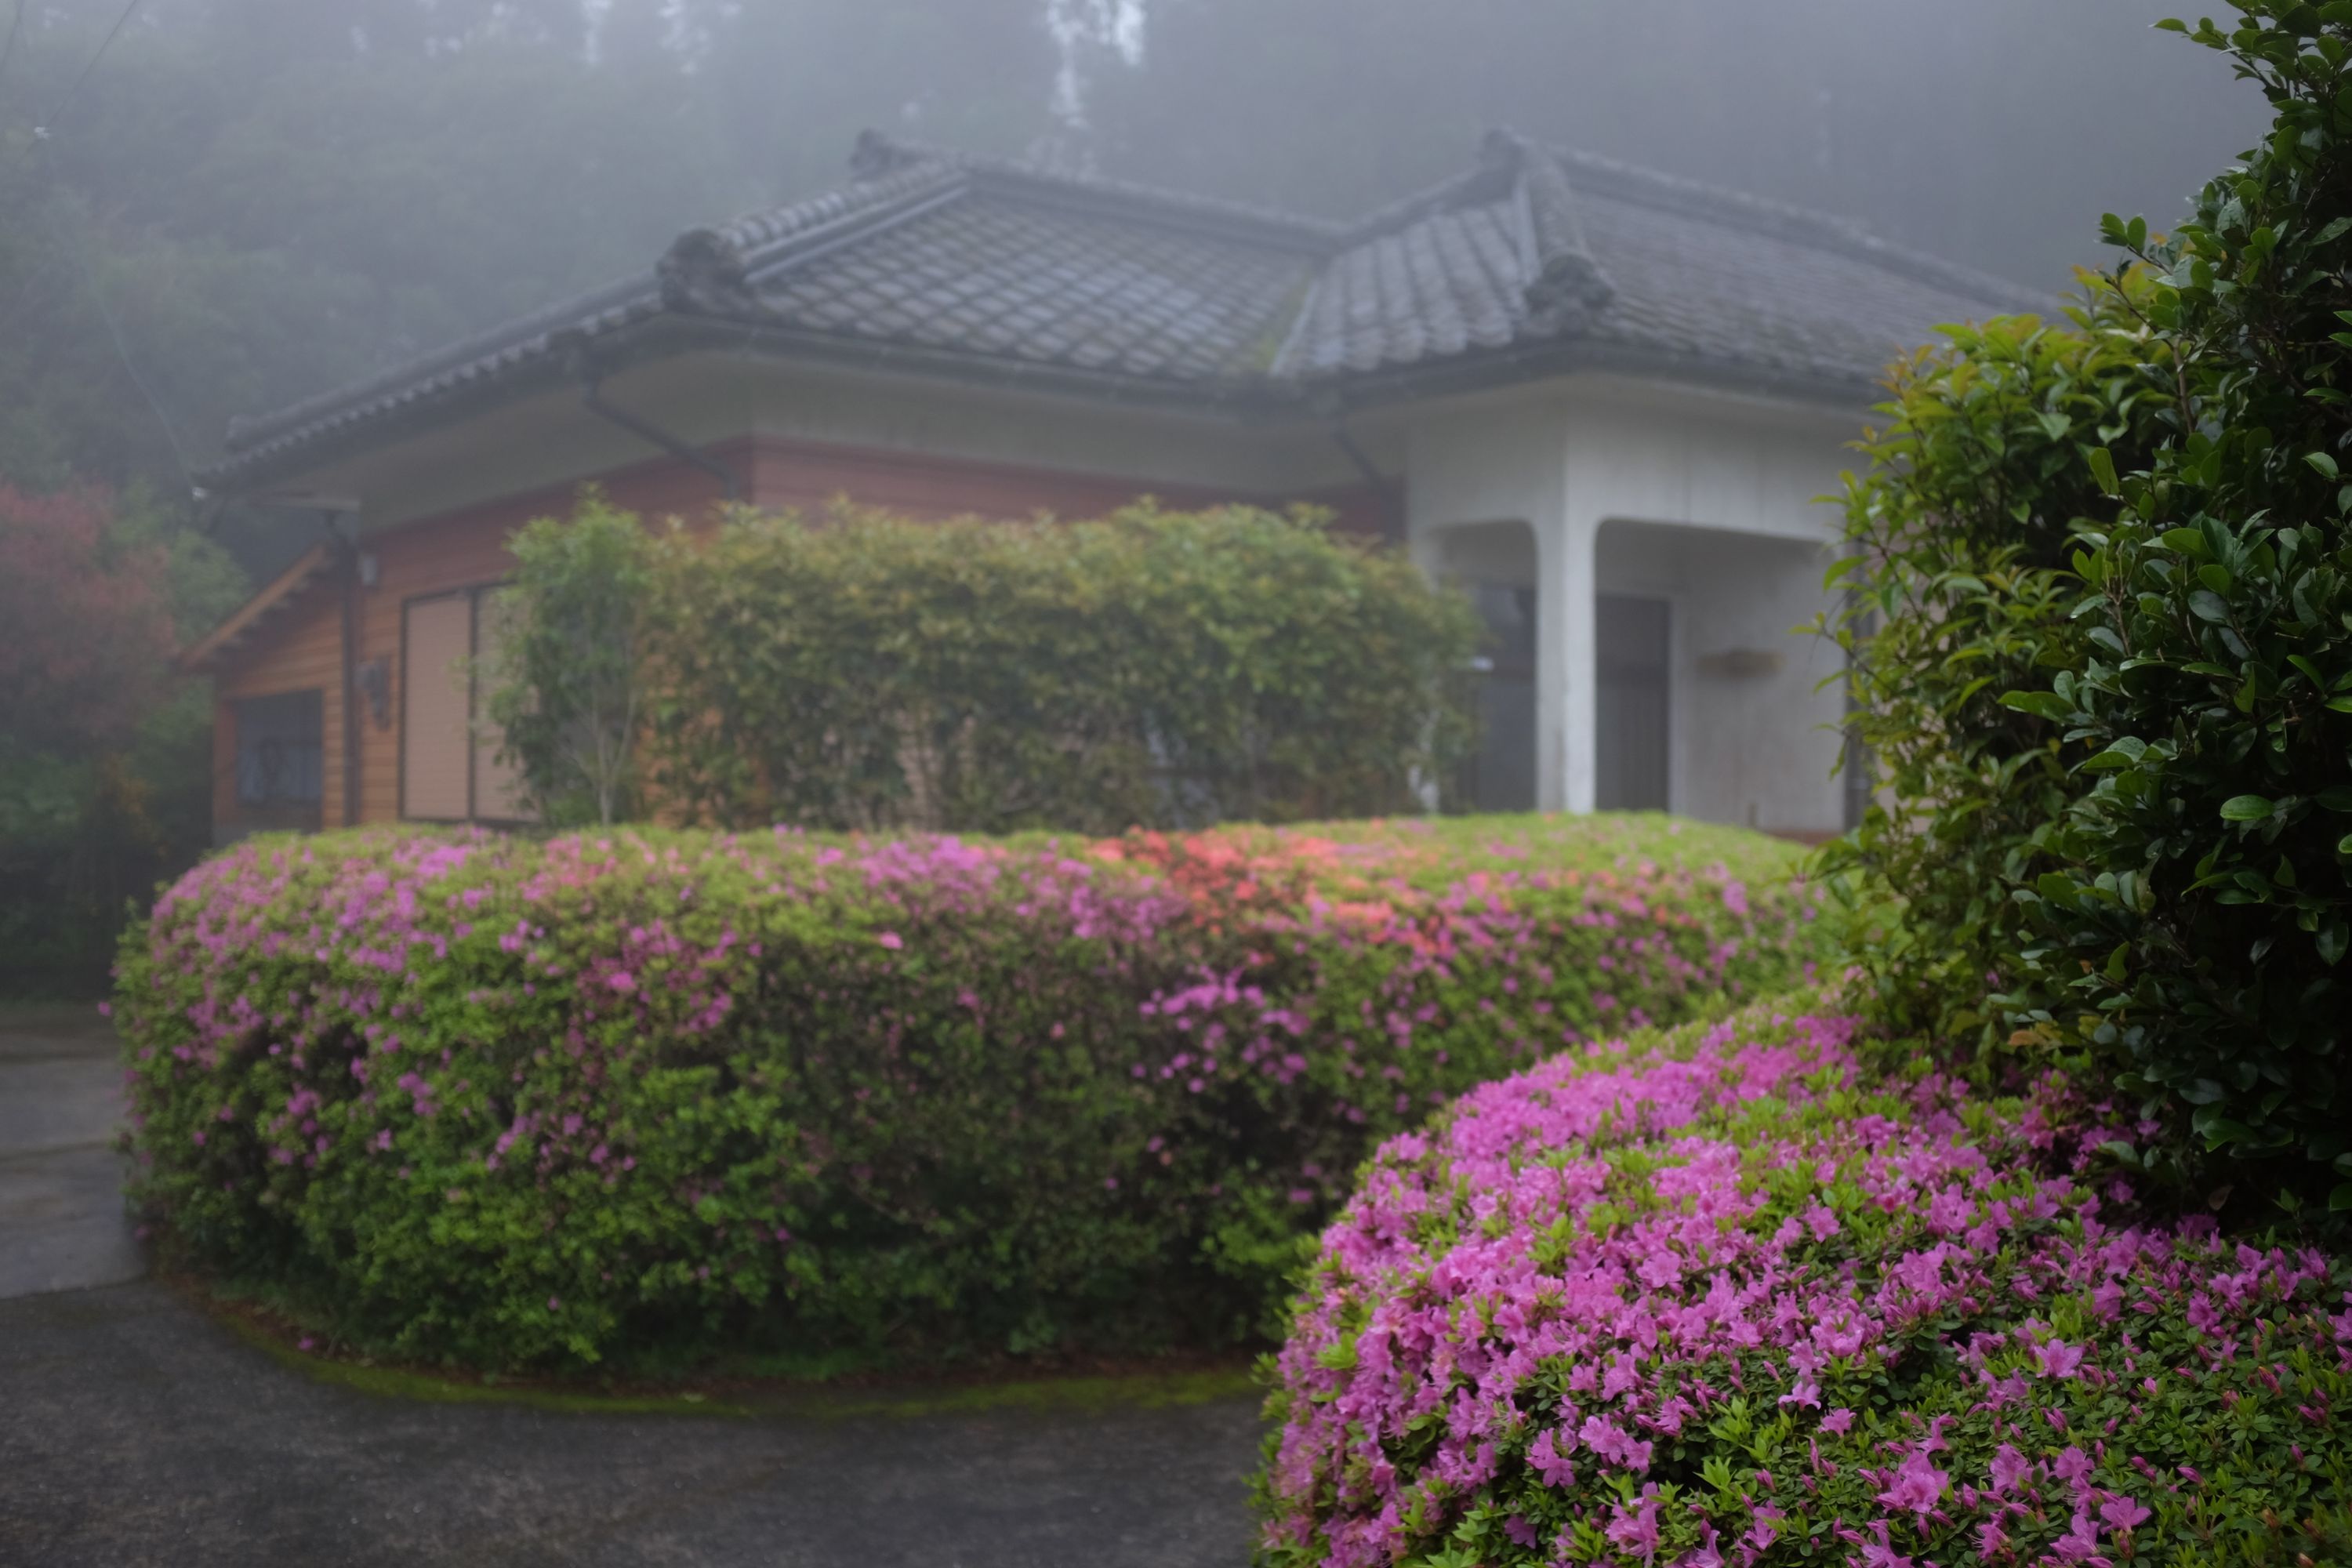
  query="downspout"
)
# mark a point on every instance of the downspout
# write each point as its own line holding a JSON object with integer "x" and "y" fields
{"x": 592, "y": 400}
{"x": 1391, "y": 500}
{"x": 348, "y": 549}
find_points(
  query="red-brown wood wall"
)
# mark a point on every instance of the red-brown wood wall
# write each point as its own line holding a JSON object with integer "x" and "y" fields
{"x": 465, "y": 548}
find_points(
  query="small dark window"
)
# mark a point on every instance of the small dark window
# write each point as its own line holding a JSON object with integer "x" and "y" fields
{"x": 281, "y": 761}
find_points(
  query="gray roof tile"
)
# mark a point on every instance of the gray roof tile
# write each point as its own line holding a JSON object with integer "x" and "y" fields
{"x": 982, "y": 263}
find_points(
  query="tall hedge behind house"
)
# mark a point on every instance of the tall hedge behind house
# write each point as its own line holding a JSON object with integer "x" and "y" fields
{"x": 872, "y": 672}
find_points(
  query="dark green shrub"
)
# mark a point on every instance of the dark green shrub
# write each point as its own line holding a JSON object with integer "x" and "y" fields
{"x": 2183, "y": 681}
{"x": 2194, "y": 920}
{"x": 1959, "y": 593}
{"x": 515, "y": 1102}
{"x": 1159, "y": 668}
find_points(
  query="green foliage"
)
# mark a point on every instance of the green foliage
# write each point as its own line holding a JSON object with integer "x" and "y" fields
{"x": 567, "y": 672}
{"x": 1956, "y": 597}
{"x": 1153, "y": 668}
{"x": 2127, "y": 720}
{"x": 655, "y": 1094}
{"x": 105, "y": 760}
{"x": 2194, "y": 918}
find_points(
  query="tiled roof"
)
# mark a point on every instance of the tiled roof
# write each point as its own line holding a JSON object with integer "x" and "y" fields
{"x": 1553, "y": 246}
{"x": 944, "y": 263}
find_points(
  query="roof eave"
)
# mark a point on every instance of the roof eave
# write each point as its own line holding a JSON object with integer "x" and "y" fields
{"x": 669, "y": 335}
{"x": 1488, "y": 370}
{"x": 272, "y": 597}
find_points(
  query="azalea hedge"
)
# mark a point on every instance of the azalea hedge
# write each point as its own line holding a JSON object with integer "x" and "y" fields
{"x": 1723, "y": 1298}
{"x": 519, "y": 1102}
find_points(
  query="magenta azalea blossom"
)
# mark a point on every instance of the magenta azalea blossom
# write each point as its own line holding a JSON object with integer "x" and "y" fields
{"x": 1495, "y": 1283}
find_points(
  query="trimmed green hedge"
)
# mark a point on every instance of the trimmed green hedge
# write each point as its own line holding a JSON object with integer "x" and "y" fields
{"x": 871, "y": 673}
{"x": 516, "y": 1102}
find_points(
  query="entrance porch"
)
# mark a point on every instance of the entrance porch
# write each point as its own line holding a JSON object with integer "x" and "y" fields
{"x": 1641, "y": 659}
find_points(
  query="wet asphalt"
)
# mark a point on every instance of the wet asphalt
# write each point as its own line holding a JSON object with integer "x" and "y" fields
{"x": 136, "y": 1427}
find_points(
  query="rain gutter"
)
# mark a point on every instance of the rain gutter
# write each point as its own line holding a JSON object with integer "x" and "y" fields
{"x": 592, "y": 400}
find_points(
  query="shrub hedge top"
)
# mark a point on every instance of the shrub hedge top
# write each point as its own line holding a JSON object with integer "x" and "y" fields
{"x": 871, "y": 671}
{"x": 1716, "y": 1300}
{"x": 884, "y": 1097}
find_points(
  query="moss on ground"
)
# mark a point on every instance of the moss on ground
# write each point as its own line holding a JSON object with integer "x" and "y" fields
{"x": 1141, "y": 1388}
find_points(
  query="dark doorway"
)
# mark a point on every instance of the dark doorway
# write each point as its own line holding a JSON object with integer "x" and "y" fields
{"x": 1503, "y": 773}
{"x": 1633, "y": 752}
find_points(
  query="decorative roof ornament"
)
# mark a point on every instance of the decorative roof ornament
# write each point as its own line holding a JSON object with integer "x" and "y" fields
{"x": 1565, "y": 285}
{"x": 705, "y": 273}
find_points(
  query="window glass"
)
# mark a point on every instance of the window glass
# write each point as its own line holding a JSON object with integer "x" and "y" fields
{"x": 498, "y": 785}
{"x": 280, "y": 760}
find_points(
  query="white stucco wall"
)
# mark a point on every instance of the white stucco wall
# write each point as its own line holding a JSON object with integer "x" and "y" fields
{"x": 1661, "y": 464}
{"x": 1753, "y": 730}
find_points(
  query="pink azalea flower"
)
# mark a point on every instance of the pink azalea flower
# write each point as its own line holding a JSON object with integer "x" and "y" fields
{"x": 2122, "y": 1512}
{"x": 891, "y": 940}
{"x": 1637, "y": 1530}
{"x": 1917, "y": 1486}
{"x": 1545, "y": 1456}
{"x": 2058, "y": 1358}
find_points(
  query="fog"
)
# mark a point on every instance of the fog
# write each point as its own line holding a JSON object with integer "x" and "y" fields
{"x": 213, "y": 206}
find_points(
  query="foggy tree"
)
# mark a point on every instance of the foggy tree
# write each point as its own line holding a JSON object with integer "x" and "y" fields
{"x": 1983, "y": 132}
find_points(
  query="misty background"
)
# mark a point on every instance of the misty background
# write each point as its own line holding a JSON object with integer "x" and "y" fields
{"x": 217, "y": 206}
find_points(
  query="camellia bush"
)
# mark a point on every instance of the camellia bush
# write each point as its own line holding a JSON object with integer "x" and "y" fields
{"x": 1958, "y": 589}
{"x": 2196, "y": 912}
{"x": 2104, "y": 626}
{"x": 519, "y": 1102}
{"x": 1721, "y": 1298}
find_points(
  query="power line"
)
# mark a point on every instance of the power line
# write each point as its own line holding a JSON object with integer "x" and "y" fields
{"x": 15, "y": 25}
{"x": 105, "y": 44}
{"x": 122, "y": 353}
{"x": 41, "y": 130}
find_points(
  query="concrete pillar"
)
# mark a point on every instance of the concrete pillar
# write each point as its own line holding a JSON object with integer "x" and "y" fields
{"x": 1567, "y": 684}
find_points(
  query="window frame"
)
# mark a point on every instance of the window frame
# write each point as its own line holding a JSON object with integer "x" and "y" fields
{"x": 473, "y": 593}
{"x": 273, "y": 811}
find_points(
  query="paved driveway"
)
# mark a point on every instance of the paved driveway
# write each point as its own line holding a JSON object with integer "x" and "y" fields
{"x": 61, "y": 1225}
{"x": 136, "y": 1429}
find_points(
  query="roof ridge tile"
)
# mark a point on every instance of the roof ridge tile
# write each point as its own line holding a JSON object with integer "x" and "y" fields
{"x": 881, "y": 155}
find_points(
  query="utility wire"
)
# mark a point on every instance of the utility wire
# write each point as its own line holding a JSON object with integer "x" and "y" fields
{"x": 15, "y": 25}
{"x": 43, "y": 129}
{"x": 179, "y": 453}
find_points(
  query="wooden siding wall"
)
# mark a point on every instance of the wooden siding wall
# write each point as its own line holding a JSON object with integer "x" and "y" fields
{"x": 303, "y": 652}
{"x": 464, "y": 549}
{"x": 467, "y": 548}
